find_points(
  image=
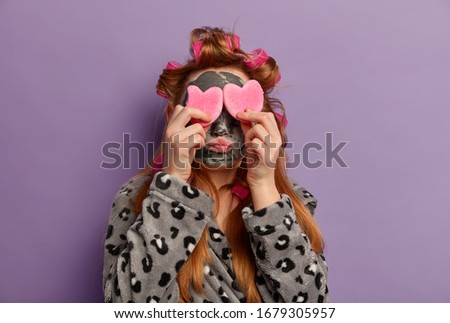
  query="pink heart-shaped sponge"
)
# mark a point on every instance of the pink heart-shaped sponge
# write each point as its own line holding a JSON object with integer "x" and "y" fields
{"x": 237, "y": 98}
{"x": 210, "y": 101}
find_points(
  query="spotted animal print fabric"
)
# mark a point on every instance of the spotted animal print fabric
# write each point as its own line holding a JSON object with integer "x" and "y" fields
{"x": 144, "y": 252}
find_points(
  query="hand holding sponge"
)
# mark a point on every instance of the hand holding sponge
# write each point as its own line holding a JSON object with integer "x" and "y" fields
{"x": 234, "y": 97}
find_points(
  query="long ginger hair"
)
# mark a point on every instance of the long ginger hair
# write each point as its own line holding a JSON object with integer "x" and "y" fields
{"x": 215, "y": 53}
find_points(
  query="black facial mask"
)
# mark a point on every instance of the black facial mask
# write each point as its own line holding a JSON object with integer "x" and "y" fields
{"x": 225, "y": 126}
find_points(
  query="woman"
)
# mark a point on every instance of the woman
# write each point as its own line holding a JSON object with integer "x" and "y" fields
{"x": 215, "y": 218}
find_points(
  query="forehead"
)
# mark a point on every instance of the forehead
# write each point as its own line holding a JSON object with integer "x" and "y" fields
{"x": 216, "y": 74}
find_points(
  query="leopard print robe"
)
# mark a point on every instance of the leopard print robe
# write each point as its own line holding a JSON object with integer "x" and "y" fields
{"x": 144, "y": 252}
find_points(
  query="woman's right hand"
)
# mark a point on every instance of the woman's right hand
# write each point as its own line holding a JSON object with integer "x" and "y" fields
{"x": 180, "y": 142}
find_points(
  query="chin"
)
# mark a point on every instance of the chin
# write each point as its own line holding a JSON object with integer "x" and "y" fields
{"x": 219, "y": 162}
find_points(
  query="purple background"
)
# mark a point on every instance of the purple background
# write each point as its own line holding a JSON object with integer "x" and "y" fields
{"x": 75, "y": 75}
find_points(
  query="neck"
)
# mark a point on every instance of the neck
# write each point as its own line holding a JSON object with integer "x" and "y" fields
{"x": 221, "y": 177}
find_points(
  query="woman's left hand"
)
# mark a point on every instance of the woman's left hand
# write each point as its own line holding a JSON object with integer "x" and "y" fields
{"x": 263, "y": 142}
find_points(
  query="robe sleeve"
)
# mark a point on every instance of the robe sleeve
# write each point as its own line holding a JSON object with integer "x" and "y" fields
{"x": 144, "y": 252}
{"x": 289, "y": 269}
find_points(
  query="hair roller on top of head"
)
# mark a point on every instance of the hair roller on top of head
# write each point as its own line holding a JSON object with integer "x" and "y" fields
{"x": 252, "y": 60}
{"x": 197, "y": 46}
{"x": 236, "y": 40}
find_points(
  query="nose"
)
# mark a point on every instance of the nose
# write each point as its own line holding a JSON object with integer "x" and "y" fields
{"x": 220, "y": 126}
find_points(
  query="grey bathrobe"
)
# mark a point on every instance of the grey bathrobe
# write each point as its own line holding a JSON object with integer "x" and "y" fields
{"x": 144, "y": 252}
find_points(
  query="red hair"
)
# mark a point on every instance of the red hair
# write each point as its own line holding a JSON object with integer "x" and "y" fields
{"x": 215, "y": 52}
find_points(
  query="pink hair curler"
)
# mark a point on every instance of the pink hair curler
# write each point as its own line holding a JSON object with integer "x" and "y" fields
{"x": 171, "y": 65}
{"x": 256, "y": 58}
{"x": 157, "y": 164}
{"x": 240, "y": 190}
{"x": 278, "y": 78}
{"x": 280, "y": 117}
{"x": 162, "y": 94}
{"x": 197, "y": 47}
{"x": 236, "y": 40}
